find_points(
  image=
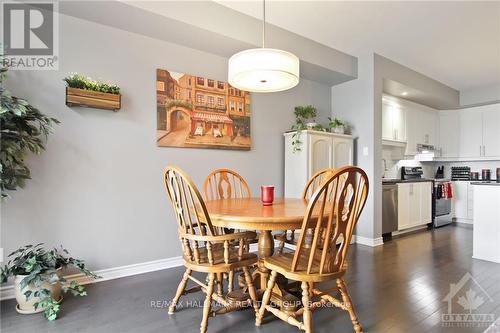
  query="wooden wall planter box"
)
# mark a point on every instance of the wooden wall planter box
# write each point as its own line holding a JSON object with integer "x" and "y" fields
{"x": 92, "y": 99}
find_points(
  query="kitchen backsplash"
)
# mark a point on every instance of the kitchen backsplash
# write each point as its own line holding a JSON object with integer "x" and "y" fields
{"x": 474, "y": 166}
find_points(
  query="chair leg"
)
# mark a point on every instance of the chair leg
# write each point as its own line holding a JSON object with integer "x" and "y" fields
{"x": 230, "y": 281}
{"x": 265, "y": 299}
{"x": 346, "y": 298}
{"x": 219, "y": 284}
{"x": 307, "y": 315}
{"x": 180, "y": 291}
{"x": 251, "y": 288}
{"x": 208, "y": 303}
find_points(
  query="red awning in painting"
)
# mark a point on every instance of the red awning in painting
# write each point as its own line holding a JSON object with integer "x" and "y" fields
{"x": 212, "y": 117}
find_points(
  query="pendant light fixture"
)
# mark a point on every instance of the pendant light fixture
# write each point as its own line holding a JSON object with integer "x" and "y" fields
{"x": 263, "y": 69}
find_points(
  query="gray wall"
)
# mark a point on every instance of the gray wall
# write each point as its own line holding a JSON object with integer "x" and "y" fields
{"x": 353, "y": 101}
{"x": 480, "y": 95}
{"x": 98, "y": 188}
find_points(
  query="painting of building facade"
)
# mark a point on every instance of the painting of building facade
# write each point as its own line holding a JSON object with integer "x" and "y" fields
{"x": 196, "y": 112}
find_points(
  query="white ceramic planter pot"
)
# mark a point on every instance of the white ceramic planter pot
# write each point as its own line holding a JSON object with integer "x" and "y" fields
{"x": 311, "y": 125}
{"x": 27, "y": 307}
{"x": 339, "y": 130}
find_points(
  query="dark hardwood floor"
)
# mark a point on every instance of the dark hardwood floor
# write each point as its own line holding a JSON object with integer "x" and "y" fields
{"x": 397, "y": 287}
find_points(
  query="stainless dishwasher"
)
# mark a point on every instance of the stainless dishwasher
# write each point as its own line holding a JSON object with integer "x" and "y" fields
{"x": 389, "y": 208}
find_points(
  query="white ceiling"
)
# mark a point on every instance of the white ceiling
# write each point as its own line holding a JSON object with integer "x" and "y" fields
{"x": 456, "y": 43}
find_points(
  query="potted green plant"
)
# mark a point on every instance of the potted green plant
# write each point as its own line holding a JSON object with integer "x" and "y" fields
{"x": 304, "y": 119}
{"x": 336, "y": 125}
{"x": 23, "y": 129}
{"x": 84, "y": 91}
{"x": 38, "y": 279}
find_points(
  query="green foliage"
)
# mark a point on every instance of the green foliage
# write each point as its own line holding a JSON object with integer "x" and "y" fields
{"x": 178, "y": 103}
{"x": 83, "y": 82}
{"x": 40, "y": 266}
{"x": 335, "y": 122}
{"x": 23, "y": 129}
{"x": 302, "y": 115}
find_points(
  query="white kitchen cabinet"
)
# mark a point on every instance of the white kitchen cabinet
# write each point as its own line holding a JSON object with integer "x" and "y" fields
{"x": 422, "y": 127}
{"x": 471, "y": 133}
{"x": 449, "y": 135}
{"x": 318, "y": 150}
{"x": 491, "y": 130}
{"x": 393, "y": 122}
{"x": 414, "y": 204}
{"x": 462, "y": 202}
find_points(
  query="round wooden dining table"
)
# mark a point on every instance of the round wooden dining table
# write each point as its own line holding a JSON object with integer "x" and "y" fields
{"x": 251, "y": 214}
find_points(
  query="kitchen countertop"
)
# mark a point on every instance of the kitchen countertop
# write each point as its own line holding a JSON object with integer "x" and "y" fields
{"x": 395, "y": 180}
{"x": 490, "y": 183}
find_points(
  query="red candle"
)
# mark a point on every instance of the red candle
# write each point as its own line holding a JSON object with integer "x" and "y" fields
{"x": 267, "y": 195}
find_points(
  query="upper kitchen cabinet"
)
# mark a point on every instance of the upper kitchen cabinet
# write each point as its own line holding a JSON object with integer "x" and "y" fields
{"x": 423, "y": 127}
{"x": 491, "y": 130}
{"x": 449, "y": 136}
{"x": 393, "y": 121}
{"x": 471, "y": 133}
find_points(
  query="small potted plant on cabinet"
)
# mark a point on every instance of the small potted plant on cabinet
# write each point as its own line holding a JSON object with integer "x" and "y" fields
{"x": 336, "y": 125}
{"x": 83, "y": 91}
{"x": 38, "y": 279}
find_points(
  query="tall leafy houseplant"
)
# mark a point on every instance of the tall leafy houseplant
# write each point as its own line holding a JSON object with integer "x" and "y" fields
{"x": 23, "y": 129}
{"x": 38, "y": 278}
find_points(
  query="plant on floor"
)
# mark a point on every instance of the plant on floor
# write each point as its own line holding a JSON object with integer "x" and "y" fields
{"x": 38, "y": 277}
{"x": 80, "y": 81}
{"x": 23, "y": 129}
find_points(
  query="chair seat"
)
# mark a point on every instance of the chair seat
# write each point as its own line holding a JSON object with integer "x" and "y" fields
{"x": 219, "y": 265}
{"x": 282, "y": 263}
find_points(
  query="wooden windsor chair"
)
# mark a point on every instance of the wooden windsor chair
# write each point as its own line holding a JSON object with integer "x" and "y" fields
{"x": 335, "y": 220}
{"x": 291, "y": 236}
{"x": 205, "y": 248}
{"x": 226, "y": 184}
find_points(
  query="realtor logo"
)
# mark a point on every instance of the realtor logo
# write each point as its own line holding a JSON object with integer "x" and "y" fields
{"x": 464, "y": 299}
{"x": 30, "y": 35}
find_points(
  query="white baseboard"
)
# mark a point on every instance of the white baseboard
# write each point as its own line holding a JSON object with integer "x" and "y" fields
{"x": 369, "y": 241}
{"x": 464, "y": 221}
{"x": 7, "y": 292}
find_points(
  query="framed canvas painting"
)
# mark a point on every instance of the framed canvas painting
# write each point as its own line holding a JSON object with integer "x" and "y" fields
{"x": 196, "y": 112}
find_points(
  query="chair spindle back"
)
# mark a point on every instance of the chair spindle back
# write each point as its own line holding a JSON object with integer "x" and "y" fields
{"x": 193, "y": 220}
{"x": 316, "y": 181}
{"x": 225, "y": 184}
{"x": 331, "y": 221}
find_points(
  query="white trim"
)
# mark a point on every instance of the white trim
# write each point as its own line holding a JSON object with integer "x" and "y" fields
{"x": 369, "y": 241}
{"x": 7, "y": 292}
{"x": 411, "y": 229}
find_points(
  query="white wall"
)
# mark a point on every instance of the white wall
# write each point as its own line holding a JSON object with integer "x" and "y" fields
{"x": 98, "y": 188}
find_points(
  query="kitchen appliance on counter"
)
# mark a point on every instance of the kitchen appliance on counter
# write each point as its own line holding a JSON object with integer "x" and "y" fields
{"x": 409, "y": 173}
{"x": 486, "y": 175}
{"x": 440, "y": 172}
{"x": 474, "y": 176}
{"x": 441, "y": 202}
{"x": 460, "y": 173}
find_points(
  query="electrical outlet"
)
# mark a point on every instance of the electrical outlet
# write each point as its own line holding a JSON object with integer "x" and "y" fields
{"x": 365, "y": 151}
